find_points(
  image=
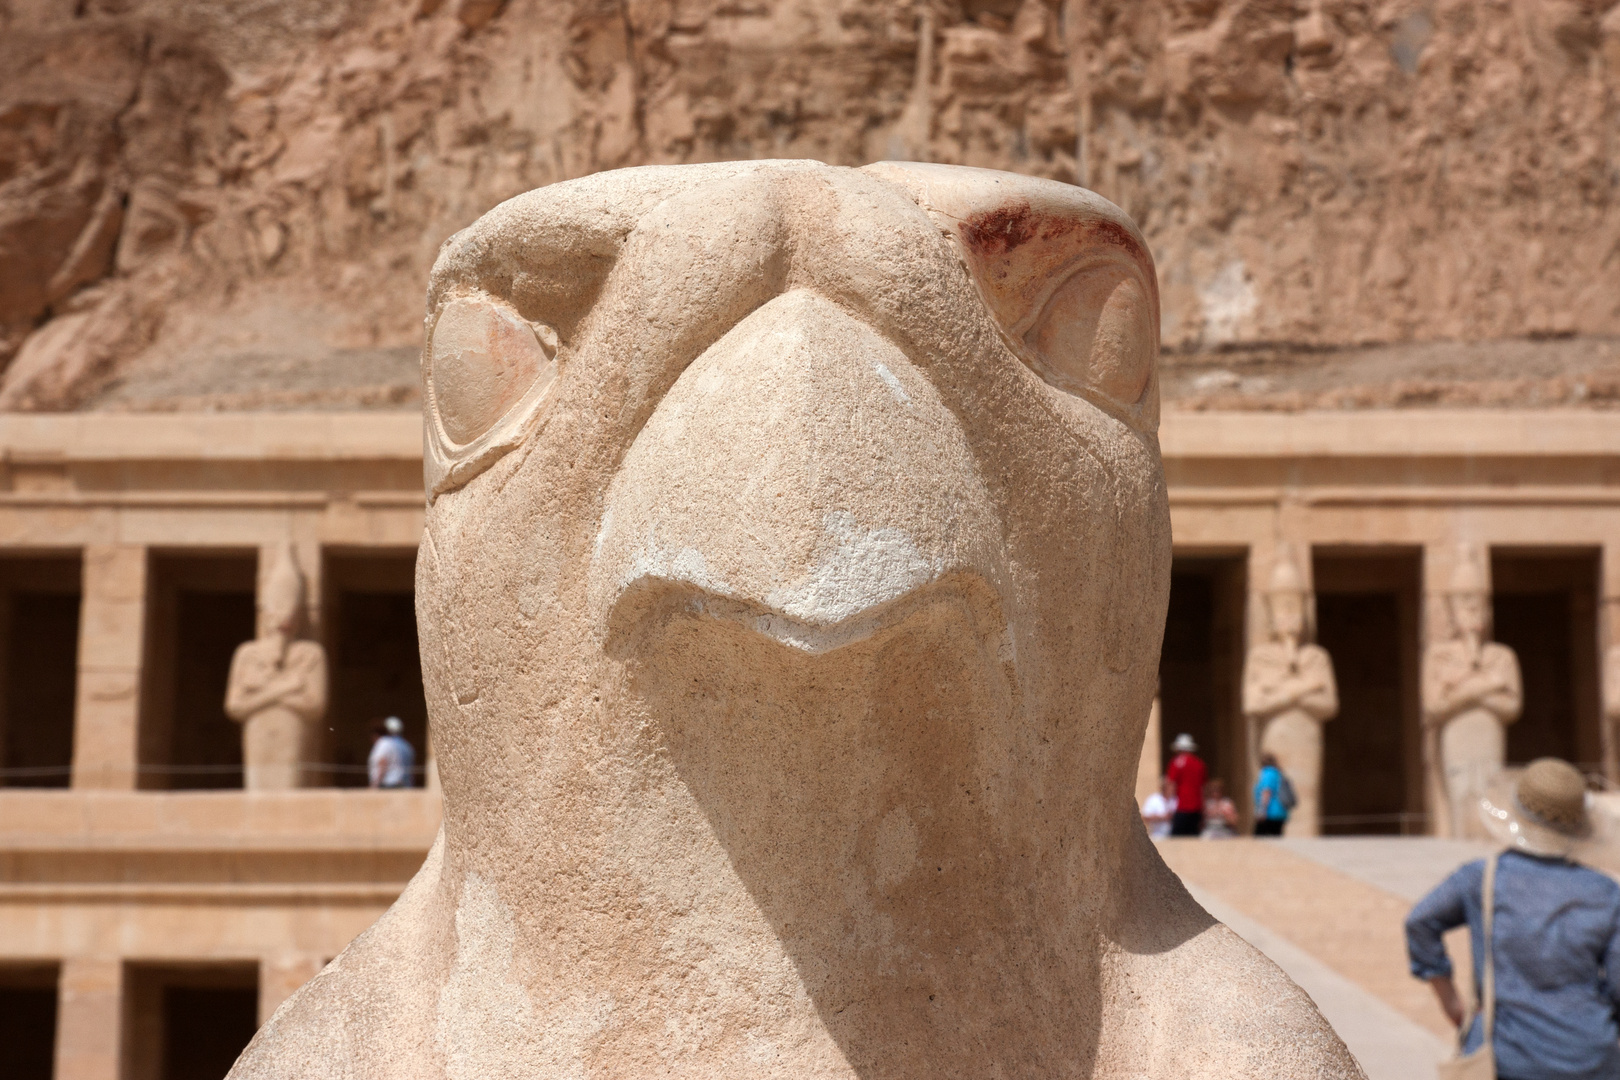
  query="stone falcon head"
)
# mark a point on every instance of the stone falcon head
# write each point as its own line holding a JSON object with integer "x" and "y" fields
{"x": 796, "y": 561}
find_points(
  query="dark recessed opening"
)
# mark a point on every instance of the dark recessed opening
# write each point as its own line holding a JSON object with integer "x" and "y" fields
{"x": 39, "y": 630}
{"x": 1201, "y": 664}
{"x": 28, "y": 1021}
{"x": 1367, "y": 616}
{"x": 376, "y": 666}
{"x": 200, "y": 607}
{"x": 1544, "y": 607}
{"x": 188, "y": 1022}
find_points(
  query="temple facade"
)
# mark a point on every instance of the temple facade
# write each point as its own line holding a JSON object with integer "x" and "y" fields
{"x": 152, "y": 906}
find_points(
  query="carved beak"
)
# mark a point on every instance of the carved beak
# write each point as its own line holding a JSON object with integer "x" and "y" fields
{"x": 802, "y": 478}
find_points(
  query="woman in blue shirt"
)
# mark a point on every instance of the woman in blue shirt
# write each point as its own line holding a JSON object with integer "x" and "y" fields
{"x": 1270, "y": 807}
{"x": 1555, "y": 936}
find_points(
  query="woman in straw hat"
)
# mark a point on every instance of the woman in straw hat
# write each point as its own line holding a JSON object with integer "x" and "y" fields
{"x": 1553, "y": 969}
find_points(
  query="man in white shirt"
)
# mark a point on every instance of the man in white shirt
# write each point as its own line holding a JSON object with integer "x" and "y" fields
{"x": 392, "y": 759}
{"x": 1158, "y": 808}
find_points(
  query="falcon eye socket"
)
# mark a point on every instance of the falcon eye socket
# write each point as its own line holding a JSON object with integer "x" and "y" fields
{"x": 487, "y": 375}
{"x": 1096, "y": 332}
{"x": 485, "y": 358}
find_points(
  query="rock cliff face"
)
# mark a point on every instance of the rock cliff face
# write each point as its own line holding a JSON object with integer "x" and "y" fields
{"x": 230, "y": 204}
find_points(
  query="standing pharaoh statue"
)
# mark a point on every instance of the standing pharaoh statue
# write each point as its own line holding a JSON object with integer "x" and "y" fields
{"x": 1288, "y": 694}
{"x": 277, "y": 687}
{"x": 1471, "y": 693}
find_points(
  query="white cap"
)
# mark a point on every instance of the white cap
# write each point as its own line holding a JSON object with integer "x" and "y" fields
{"x": 393, "y": 725}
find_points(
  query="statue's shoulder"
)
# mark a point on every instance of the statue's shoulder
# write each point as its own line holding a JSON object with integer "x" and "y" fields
{"x": 252, "y": 648}
{"x": 1267, "y": 652}
{"x": 303, "y": 652}
{"x": 371, "y": 1013}
{"x": 1194, "y": 999}
{"x": 353, "y": 1021}
{"x": 1222, "y": 1009}
{"x": 253, "y": 660}
{"x": 1444, "y": 650}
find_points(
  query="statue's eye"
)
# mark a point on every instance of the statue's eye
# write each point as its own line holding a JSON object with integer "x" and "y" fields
{"x": 484, "y": 358}
{"x": 488, "y": 370}
{"x": 1096, "y": 332}
{"x": 1065, "y": 274}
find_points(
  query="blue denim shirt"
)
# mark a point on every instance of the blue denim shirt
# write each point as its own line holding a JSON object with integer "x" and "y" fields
{"x": 1557, "y": 935}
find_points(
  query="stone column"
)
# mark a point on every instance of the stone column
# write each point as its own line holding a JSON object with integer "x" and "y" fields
{"x": 280, "y": 976}
{"x": 1149, "y": 767}
{"x": 112, "y": 627}
{"x": 1609, "y": 650}
{"x": 1262, "y": 556}
{"x": 89, "y": 1018}
{"x": 1434, "y": 626}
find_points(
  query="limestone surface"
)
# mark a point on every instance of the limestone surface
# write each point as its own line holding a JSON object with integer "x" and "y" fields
{"x": 788, "y": 652}
{"x": 1611, "y": 710}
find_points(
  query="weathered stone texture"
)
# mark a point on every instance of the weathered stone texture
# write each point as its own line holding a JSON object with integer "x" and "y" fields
{"x": 223, "y": 188}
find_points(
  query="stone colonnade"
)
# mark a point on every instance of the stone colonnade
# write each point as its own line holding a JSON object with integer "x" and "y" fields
{"x": 1470, "y": 688}
{"x": 277, "y": 882}
{"x": 108, "y": 881}
{"x": 102, "y": 934}
{"x": 1452, "y": 486}
{"x": 118, "y": 490}
{"x": 113, "y": 625}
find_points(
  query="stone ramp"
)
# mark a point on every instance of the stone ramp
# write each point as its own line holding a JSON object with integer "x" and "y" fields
{"x": 1408, "y": 866}
{"x": 1329, "y": 912}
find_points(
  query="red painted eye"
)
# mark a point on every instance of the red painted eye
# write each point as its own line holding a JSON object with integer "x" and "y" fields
{"x": 1096, "y": 332}
{"x": 1065, "y": 274}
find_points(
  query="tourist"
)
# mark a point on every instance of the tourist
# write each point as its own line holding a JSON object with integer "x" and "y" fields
{"x": 392, "y": 760}
{"x": 1187, "y": 772}
{"x": 1554, "y": 965}
{"x": 1220, "y": 813}
{"x": 1158, "y": 808}
{"x": 1273, "y": 798}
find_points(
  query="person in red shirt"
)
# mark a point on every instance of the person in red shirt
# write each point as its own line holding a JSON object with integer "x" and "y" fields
{"x": 1187, "y": 771}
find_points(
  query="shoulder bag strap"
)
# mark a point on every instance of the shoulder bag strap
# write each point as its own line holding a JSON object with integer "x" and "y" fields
{"x": 1488, "y": 900}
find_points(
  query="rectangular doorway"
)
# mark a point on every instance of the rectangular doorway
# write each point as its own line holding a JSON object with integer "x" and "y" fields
{"x": 1544, "y": 607}
{"x": 1368, "y": 607}
{"x": 200, "y": 607}
{"x": 188, "y": 1021}
{"x": 1201, "y": 665}
{"x": 28, "y": 1021}
{"x": 369, "y": 607}
{"x": 39, "y": 673}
